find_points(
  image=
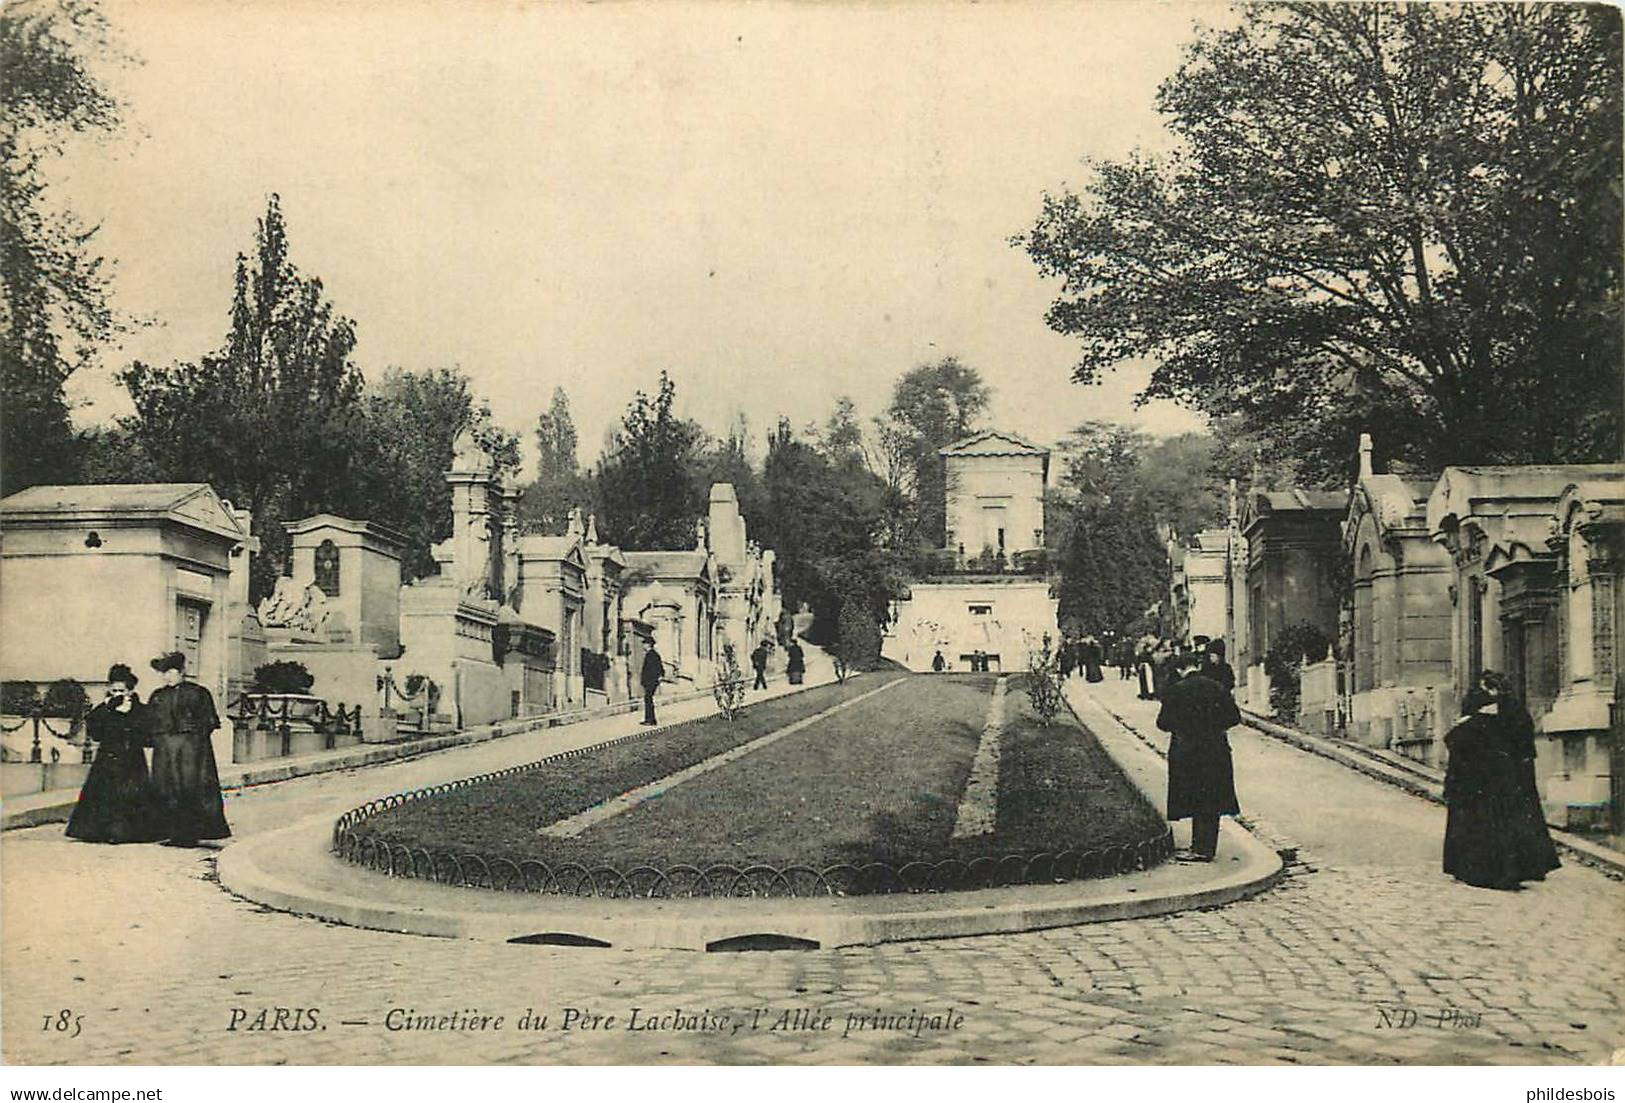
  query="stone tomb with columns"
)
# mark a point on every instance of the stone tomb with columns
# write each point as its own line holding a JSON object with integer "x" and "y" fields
{"x": 747, "y": 595}
{"x": 994, "y": 505}
{"x": 1401, "y": 689}
{"x": 1293, "y": 540}
{"x": 1512, "y": 608}
{"x": 1584, "y": 722}
{"x": 119, "y": 573}
{"x": 457, "y": 626}
{"x": 674, "y": 592}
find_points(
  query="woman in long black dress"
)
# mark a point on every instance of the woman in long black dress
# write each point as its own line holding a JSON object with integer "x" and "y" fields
{"x": 1492, "y": 838}
{"x": 1091, "y": 659}
{"x": 117, "y": 803}
{"x": 1537, "y": 855}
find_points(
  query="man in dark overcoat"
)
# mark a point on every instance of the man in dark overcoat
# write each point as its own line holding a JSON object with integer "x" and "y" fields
{"x": 1196, "y": 712}
{"x": 653, "y": 671}
{"x": 758, "y": 660}
{"x": 182, "y": 717}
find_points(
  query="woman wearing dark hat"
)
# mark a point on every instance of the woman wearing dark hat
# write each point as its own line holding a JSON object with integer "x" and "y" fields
{"x": 1493, "y": 836}
{"x": 181, "y": 716}
{"x": 117, "y": 803}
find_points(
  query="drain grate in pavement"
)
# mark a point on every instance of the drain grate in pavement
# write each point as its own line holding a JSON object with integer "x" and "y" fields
{"x": 746, "y": 942}
{"x": 560, "y": 938}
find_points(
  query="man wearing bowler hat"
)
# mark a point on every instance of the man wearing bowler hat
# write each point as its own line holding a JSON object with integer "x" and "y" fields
{"x": 182, "y": 717}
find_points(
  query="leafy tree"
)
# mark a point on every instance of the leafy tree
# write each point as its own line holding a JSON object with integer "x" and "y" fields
{"x": 932, "y": 406}
{"x": 826, "y": 523}
{"x": 1297, "y": 644}
{"x": 556, "y": 439}
{"x": 841, "y": 439}
{"x": 1113, "y": 568}
{"x": 857, "y": 641}
{"x": 559, "y": 485}
{"x": 1113, "y": 564}
{"x": 645, "y": 485}
{"x": 1398, "y": 217}
{"x": 274, "y": 418}
{"x": 411, "y": 424}
{"x": 53, "y": 287}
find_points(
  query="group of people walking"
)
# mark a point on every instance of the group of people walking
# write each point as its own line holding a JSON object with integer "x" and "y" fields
{"x": 1495, "y": 831}
{"x": 1157, "y": 662}
{"x": 177, "y": 801}
{"x": 654, "y": 672}
{"x": 1082, "y": 654}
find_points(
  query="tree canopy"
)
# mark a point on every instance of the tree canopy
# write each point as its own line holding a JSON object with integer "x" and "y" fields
{"x": 645, "y": 481}
{"x": 559, "y": 485}
{"x": 932, "y": 406}
{"x": 412, "y": 421}
{"x": 280, "y": 420}
{"x": 273, "y": 418}
{"x": 53, "y": 286}
{"x": 1403, "y": 218}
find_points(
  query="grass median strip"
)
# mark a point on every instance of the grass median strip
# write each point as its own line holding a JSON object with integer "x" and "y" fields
{"x": 572, "y": 826}
{"x": 879, "y": 780}
{"x": 1058, "y": 786}
{"x": 501, "y": 816}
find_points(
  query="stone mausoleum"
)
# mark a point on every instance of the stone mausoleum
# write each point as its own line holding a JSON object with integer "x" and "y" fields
{"x": 1534, "y": 594}
{"x": 103, "y": 574}
{"x": 994, "y": 597}
{"x": 1401, "y": 690}
{"x": 512, "y": 624}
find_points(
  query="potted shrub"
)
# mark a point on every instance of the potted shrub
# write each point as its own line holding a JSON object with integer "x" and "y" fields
{"x": 284, "y": 689}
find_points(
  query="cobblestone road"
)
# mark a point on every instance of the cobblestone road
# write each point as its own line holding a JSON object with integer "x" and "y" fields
{"x": 154, "y": 956}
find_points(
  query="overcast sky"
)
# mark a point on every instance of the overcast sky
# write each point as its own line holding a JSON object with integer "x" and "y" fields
{"x": 779, "y": 203}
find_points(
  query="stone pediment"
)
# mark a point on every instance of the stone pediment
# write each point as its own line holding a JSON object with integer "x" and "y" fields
{"x": 994, "y": 443}
{"x": 203, "y": 509}
{"x": 559, "y": 549}
{"x": 195, "y": 505}
{"x": 1397, "y": 507}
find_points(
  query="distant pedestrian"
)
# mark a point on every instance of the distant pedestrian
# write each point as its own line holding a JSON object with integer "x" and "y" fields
{"x": 1214, "y": 666}
{"x": 938, "y": 663}
{"x": 758, "y": 659}
{"x": 1145, "y": 663}
{"x": 654, "y": 671}
{"x": 118, "y": 803}
{"x": 1124, "y": 658}
{"x": 1495, "y": 835}
{"x": 795, "y": 663}
{"x": 1162, "y": 664}
{"x": 1091, "y": 659}
{"x": 1068, "y": 656}
{"x": 182, "y": 718}
{"x": 1196, "y": 712}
